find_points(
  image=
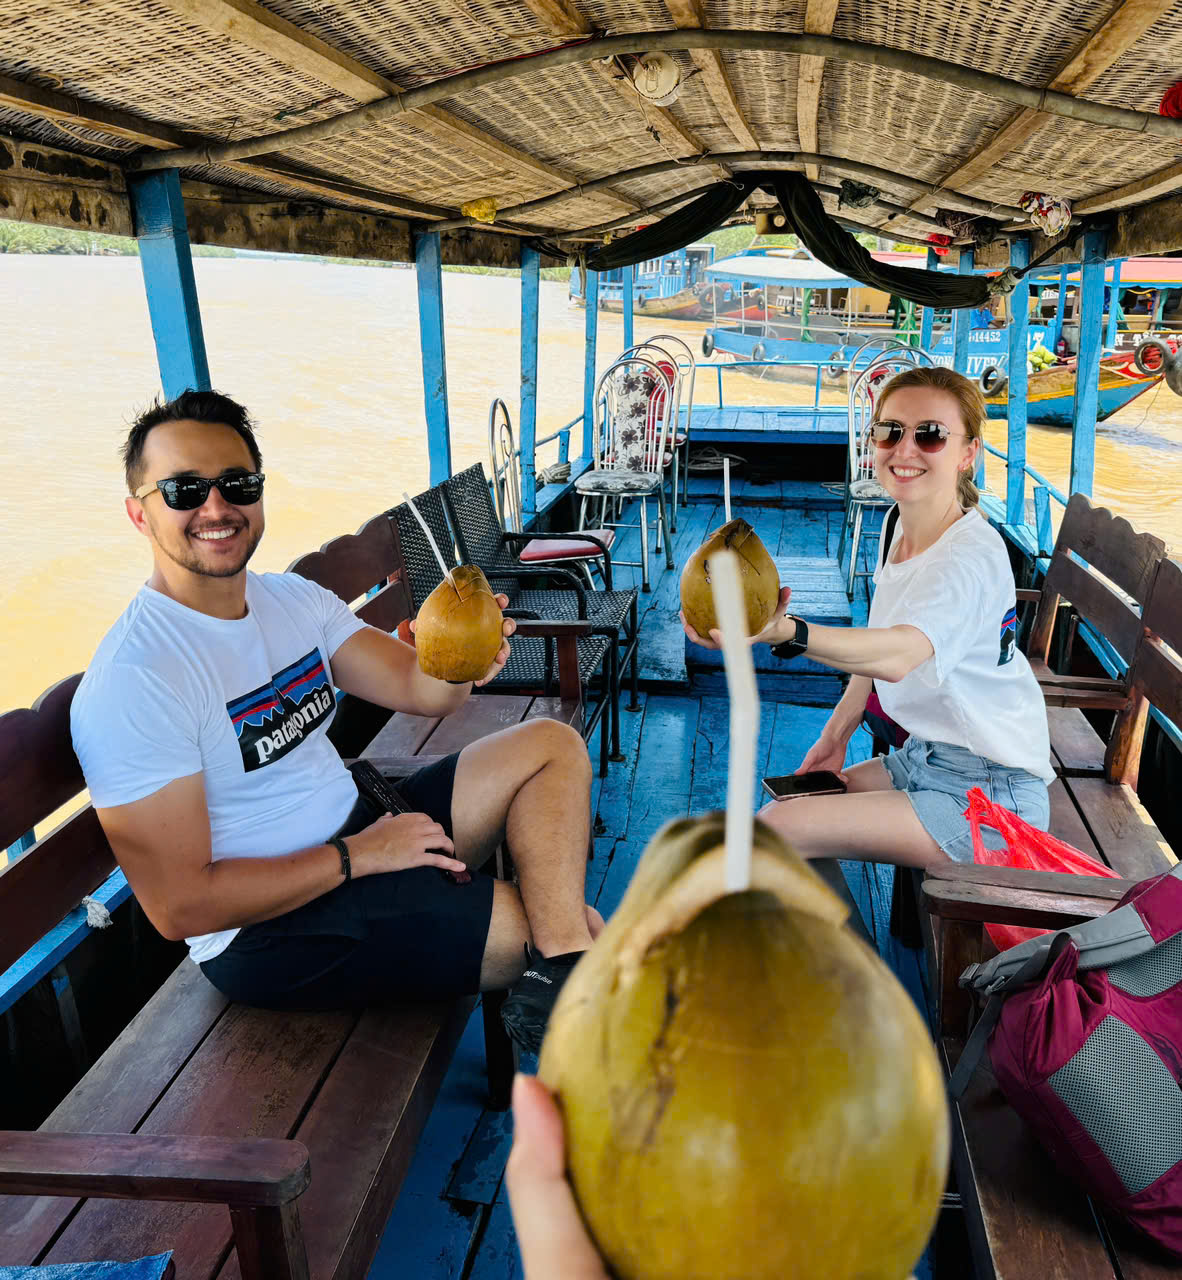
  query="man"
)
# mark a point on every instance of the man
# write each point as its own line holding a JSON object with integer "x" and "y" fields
{"x": 201, "y": 729}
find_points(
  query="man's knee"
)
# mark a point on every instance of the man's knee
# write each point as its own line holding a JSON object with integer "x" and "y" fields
{"x": 556, "y": 743}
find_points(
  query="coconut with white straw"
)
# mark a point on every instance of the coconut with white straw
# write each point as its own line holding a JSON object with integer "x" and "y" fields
{"x": 459, "y": 627}
{"x": 746, "y": 1088}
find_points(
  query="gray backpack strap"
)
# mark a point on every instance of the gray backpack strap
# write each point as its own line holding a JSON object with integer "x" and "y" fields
{"x": 1038, "y": 960}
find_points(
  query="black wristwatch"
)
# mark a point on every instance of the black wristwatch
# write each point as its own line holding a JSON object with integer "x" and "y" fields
{"x": 798, "y": 644}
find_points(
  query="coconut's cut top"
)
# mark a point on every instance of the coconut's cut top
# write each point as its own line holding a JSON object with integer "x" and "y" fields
{"x": 759, "y": 576}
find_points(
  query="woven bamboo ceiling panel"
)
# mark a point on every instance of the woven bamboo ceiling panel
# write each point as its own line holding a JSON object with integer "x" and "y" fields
{"x": 535, "y": 135}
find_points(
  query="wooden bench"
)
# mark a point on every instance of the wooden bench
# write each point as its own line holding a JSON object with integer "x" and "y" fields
{"x": 303, "y": 1125}
{"x": 1025, "y": 1220}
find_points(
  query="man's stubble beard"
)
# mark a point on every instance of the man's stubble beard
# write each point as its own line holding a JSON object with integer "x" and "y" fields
{"x": 191, "y": 561}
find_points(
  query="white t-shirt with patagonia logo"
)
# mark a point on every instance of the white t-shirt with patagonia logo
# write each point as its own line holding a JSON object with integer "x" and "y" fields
{"x": 245, "y": 702}
{"x": 977, "y": 690}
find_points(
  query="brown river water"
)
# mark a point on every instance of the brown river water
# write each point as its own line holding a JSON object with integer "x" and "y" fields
{"x": 327, "y": 359}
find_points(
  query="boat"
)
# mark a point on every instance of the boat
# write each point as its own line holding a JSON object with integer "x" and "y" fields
{"x": 671, "y": 286}
{"x": 1050, "y": 396}
{"x": 289, "y": 129}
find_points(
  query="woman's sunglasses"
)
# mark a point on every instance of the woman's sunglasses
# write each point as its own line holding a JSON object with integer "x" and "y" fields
{"x": 930, "y": 437}
{"x": 187, "y": 493}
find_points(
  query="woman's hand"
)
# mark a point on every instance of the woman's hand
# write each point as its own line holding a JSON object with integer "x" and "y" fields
{"x": 550, "y": 1233}
{"x": 826, "y": 753}
{"x": 776, "y": 631}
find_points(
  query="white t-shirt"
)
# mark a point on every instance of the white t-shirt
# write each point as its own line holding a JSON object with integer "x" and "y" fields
{"x": 244, "y": 702}
{"x": 977, "y": 690}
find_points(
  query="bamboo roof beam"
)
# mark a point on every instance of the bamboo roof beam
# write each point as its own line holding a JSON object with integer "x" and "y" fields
{"x": 689, "y": 14}
{"x": 48, "y": 104}
{"x": 938, "y": 69}
{"x": 818, "y": 20}
{"x": 251, "y": 24}
{"x": 1159, "y": 183}
{"x": 1108, "y": 43}
{"x": 561, "y": 18}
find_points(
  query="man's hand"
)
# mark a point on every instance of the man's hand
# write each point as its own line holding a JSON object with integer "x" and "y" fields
{"x": 398, "y": 842}
{"x": 502, "y": 654}
{"x": 775, "y": 632}
{"x": 550, "y": 1233}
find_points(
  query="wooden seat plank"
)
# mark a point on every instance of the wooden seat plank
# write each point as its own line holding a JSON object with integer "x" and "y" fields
{"x": 403, "y": 735}
{"x": 1020, "y": 1211}
{"x": 1077, "y": 747}
{"x": 565, "y": 710}
{"x": 254, "y": 1075}
{"x": 1066, "y": 823}
{"x": 1122, "y": 828}
{"x": 477, "y": 718}
{"x": 363, "y": 1127}
{"x": 116, "y": 1094}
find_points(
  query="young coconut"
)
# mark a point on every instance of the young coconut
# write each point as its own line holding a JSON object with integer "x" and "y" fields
{"x": 760, "y": 580}
{"x": 458, "y": 630}
{"x": 747, "y": 1089}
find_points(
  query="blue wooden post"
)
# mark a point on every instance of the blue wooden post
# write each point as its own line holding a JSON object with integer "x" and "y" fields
{"x": 531, "y": 261}
{"x": 1113, "y": 306}
{"x": 592, "y": 333}
{"x": 158, "y": 215}
{"x": 429, "y": 271}
{"x": 1057, "y": 332}
{"x": 1016, "y": 404}
{"x": 626, "y": 297}
{"x": 1087, "y": 369}
{"x": 929, "y": 313}
{"x": 962, "y": 320}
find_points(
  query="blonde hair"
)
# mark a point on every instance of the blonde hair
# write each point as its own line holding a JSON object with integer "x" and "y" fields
{"x": 970, "y": 401}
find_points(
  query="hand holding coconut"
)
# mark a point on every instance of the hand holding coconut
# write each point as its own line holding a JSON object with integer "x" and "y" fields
{"x": 460, "y": 632}
{"x": 762, "y": 597}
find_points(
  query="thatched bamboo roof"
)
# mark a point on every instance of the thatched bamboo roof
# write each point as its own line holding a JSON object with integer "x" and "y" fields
{"x": 423, "y": 106}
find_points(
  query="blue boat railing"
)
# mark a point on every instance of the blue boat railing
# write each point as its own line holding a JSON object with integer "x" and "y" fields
{"x": 817, "y": 365}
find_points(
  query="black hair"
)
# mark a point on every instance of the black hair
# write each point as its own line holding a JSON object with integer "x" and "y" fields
{"x": 189, "y": 406}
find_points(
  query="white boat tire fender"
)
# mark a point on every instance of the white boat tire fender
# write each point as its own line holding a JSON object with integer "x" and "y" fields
{"x": 993, "y": 382}
{"x": 1165, "y": 354}
{"x": 759, "y": 352}
{"x": 708, "y": 343}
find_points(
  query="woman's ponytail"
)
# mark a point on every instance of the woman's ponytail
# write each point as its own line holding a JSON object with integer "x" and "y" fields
{"x": 967, "y": 493}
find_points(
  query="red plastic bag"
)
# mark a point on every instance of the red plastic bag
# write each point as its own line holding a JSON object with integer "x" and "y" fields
{"x": 1026, "y": 847}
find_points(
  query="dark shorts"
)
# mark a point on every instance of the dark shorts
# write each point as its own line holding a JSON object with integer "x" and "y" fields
{"x": 405, "y": 935}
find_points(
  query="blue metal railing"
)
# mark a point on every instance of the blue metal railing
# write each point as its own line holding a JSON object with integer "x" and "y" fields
{"x": 817, "y": 365}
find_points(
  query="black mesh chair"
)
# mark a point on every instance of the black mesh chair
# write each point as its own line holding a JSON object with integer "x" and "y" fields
{"x": 532, "y": 666}
{"x": 480, "y": 539}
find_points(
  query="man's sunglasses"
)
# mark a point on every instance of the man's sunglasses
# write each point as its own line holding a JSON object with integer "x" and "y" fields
{"x": 187, "y": 493}
{"x": 930, "y": 437}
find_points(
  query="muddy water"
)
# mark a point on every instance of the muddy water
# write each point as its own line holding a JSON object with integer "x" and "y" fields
{"x": 327, "y": 358}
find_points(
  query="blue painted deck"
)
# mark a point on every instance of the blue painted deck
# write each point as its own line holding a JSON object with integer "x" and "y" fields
{"x": 452, "y": 1221}
{"x": 764, "y": 424}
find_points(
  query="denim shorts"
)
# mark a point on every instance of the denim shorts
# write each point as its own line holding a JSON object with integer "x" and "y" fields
{"x": 937, "y": 778}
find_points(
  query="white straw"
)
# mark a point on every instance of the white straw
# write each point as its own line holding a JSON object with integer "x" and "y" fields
{"x": 744, "y": 728}
{"x": 726, "y": 488}
{"x": 434, "y": 545}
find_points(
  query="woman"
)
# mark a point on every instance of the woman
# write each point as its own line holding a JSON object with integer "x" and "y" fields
{"x": 939, "y": 652}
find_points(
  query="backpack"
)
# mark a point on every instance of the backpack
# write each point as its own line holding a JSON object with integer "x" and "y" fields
{"x": 1084, "y": 1029}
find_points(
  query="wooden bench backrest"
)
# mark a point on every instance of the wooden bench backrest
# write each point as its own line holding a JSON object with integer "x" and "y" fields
{"x": 1110, "y": 547}
{"x": 1157, "y": 672}
{"x": 39, "y": 773}
{"x": 352, "y": 565}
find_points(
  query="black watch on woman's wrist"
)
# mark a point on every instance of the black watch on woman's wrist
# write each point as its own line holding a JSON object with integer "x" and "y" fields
{"x": 798, "y": 644}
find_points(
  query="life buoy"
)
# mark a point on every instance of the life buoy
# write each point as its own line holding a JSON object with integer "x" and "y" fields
{"x": 992, "y": 381}
{"x": 1153, "y": 356}
{"x": 759, "y": 352}
{"x": 708, "y": 342}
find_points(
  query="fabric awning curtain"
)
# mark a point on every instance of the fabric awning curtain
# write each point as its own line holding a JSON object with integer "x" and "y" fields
{"x": 818, "y": 232}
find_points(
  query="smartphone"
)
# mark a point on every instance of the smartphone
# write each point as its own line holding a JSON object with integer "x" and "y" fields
{"x": 820, "y": 782}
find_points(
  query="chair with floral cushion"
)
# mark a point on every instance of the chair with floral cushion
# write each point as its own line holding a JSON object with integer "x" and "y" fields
{"x": 677, "y": 361}
{"x": 633, "y": 406}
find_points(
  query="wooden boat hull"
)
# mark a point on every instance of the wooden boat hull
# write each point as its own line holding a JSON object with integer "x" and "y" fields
{"x": 1050, "y": 395}
{"x": 684, "y": 305}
